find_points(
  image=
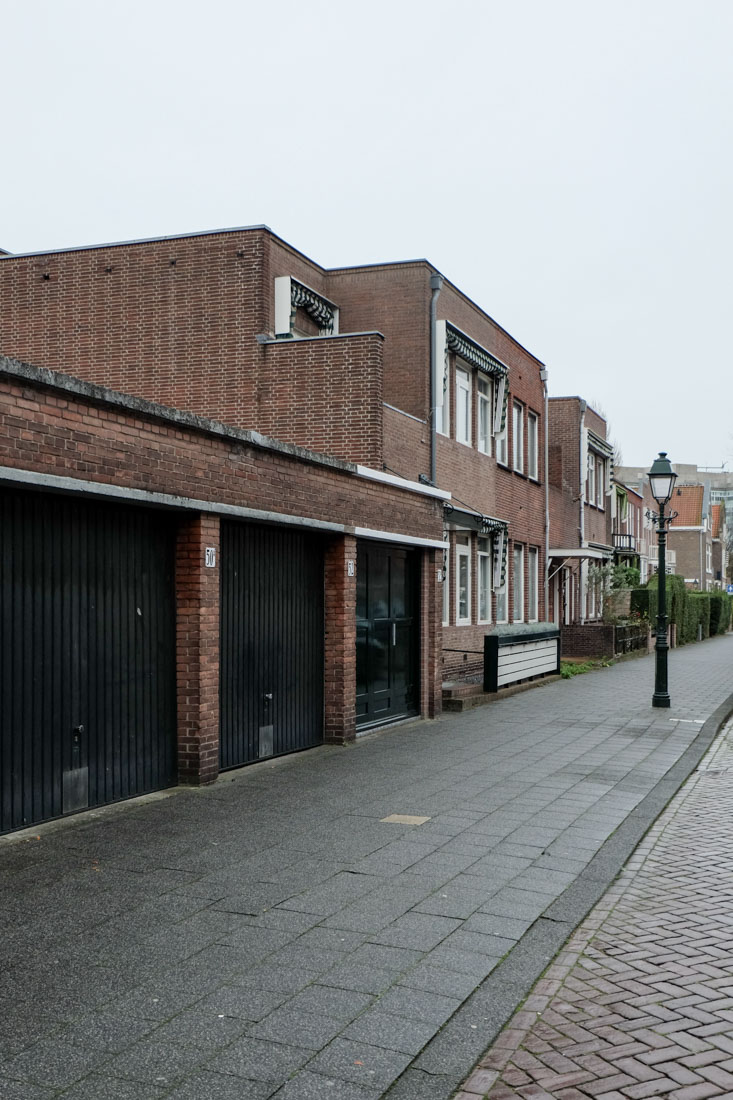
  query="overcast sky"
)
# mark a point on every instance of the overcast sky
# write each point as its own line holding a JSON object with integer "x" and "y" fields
{"x": 567, "y": 163}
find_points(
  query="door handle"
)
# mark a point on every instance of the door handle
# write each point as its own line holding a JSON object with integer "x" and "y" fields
{"x": 394, "y": 634}
{"x": 267, "y": 696}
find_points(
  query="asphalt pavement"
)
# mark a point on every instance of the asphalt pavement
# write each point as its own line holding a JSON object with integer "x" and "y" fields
{"x": 355, "y": 922}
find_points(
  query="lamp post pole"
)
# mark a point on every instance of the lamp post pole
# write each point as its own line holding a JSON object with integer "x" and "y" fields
{"x": 661, "y": 694}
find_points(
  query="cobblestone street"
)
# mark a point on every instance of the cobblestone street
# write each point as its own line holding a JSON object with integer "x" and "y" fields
{"x": 640, "y": 1003}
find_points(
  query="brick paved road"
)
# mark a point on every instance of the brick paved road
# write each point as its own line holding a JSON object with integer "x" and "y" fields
{"x": 640, "y": 1003}
{"x": 273, "y": 936}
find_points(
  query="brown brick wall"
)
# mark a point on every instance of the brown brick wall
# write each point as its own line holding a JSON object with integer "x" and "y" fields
{"x": 197, "y": 651}
{"x": 589, "y": 640}
{"x": 50, "y": 426}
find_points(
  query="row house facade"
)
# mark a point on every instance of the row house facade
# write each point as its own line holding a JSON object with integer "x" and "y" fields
{"x": 389, "y": 367}
{"x": 581, "y": 507}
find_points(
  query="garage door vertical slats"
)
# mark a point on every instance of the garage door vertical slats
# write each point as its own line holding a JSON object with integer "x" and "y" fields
{"x": 87, "y": 635}
{"x": 271, "y": 642}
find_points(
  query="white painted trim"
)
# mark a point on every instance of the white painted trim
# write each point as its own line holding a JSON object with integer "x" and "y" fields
{"x": 9, "y": 475}
{"x": 282, "y": 305}
{"x": 402, "y": 483}
{"x": 396, "y": 536}
{"x": 582, "y": 552}
{"x": 676, "y": 527}
{"x": 402, "y": 412}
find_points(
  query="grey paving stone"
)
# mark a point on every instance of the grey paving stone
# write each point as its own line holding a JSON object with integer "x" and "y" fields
{"x": 441, "y": 980}
{"x": 313, "y": 1086}
{"x": 221, "y": 1086}
{"x": 419, "y": 1004}
{"x": 491, "y": 924}
{"x": 465, "y": 962}
{"x": 384, "y": 1029}
{"x": 54, "y": 1063}
{"x": 99, "y": 1087}
{"x": 287, "y": 1024}
{"x": 240, "y": 1003}
{"x": 160, "y": 1064}
{"x": 275, "y": 978}
{"x": 332, "y": 895}
{"x": 336, "y": 940}
{"x": 105, "y": 1031}
{"x": 200, "y": 1027}
{"x": 420, "y": 931}
{"x": 384, "y": 956}
{"x": 480, "y": 943}
{"x": 362, "y": 978}
{"x": 258, "y": 897}
{"x": 326, "y": 1000}
{"x": 415, "y": 1084}
{"x": 20, "y": 1090}
{"x": 366, "y": 1065}
{"x": 259, "y": 1060}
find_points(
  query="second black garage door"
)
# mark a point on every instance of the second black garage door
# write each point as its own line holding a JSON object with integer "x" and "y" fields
{"x": 271, "y": 642}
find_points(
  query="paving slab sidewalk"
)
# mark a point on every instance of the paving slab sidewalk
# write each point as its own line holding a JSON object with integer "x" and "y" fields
{"x": 640, "y": 1000}
{"x": 273, "y": 936}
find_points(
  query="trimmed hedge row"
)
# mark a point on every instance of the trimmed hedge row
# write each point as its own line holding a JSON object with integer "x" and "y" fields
{"x": 692, "y": 612}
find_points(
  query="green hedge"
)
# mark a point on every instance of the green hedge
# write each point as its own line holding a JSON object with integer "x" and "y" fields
{"x": 686, "y": 608}
{"x": 644, "y": 603}
{"x": 719, "y": 612}
{"x": 698, "y": 615}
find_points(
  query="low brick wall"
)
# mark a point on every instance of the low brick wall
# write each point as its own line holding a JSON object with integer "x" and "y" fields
{"x": 587, "y": 640}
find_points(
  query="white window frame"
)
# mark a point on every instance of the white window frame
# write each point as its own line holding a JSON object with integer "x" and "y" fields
{"x": 533, "y": 580}
{"x": 533, "y": 424}
{"x": 518, "y": 583}
{"x": 442, "y": 410}
{"x": 518, "y": 437}
{"x": 463, "y": 552}
{"x": 484, "y": 403}
{"x": 600, "y": 483}
{"x": 590, "y": 479}
{"x": 484, "y": 569}
{"x": 463, "y": 406}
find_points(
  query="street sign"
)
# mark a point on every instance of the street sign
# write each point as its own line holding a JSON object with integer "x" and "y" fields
{"x": 729, "y": 589}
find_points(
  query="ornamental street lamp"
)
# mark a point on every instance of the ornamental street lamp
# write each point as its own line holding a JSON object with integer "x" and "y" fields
{"x": 661, "y": 481}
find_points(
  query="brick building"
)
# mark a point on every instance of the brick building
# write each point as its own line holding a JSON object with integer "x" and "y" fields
{"x": 148, "y": 556}
{"x": 580, "y": 472}
{"x": 388, "y": 366}
{"x": 691, "y": 537}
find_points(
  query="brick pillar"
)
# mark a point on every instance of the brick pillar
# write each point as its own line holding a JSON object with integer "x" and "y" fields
{"x": 197, "y": 639}
{"x": 340, "y": 642}
{"x": 431, "y": 634}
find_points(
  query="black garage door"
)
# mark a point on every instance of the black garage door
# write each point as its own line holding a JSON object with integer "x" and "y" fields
{"x": 387, "y": 633}
{"x": 87, "y": 637}
{"x": 271, "y": 642}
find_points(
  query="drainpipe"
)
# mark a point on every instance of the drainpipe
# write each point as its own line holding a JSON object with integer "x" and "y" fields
{"x": 583, "y": 461}
{"x": 543, "y": 379}
{"x": 436, "y": 282}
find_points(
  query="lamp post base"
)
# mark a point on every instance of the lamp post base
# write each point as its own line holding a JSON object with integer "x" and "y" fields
{"x": 660, "y": 699}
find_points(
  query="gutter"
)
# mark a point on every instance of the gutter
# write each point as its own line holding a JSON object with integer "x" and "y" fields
{"x": 546, "y": 586}
{"x": 436, "y": 282}
{"x": 583, "y": 463}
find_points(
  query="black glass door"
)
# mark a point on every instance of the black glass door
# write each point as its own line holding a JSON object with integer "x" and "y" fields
{"x": 386, "y": 633}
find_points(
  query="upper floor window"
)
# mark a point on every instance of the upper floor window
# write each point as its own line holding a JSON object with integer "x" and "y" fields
{"x": 484, "y": 415}
{"x": 532, "y": 434}
{"x": 600, "y": 482}
{"x": 518, "y": 437}
{"x": 463, "y": 406}
{"x": 590, "y": 481}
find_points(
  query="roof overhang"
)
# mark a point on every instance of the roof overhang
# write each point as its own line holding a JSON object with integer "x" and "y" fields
{"x": 580, "y": 552}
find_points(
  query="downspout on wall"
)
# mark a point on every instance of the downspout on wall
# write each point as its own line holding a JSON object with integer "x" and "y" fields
{"x": 436, "y": 282}
{"x": 543, "y": 379}
{"x": 583, "y": 461}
